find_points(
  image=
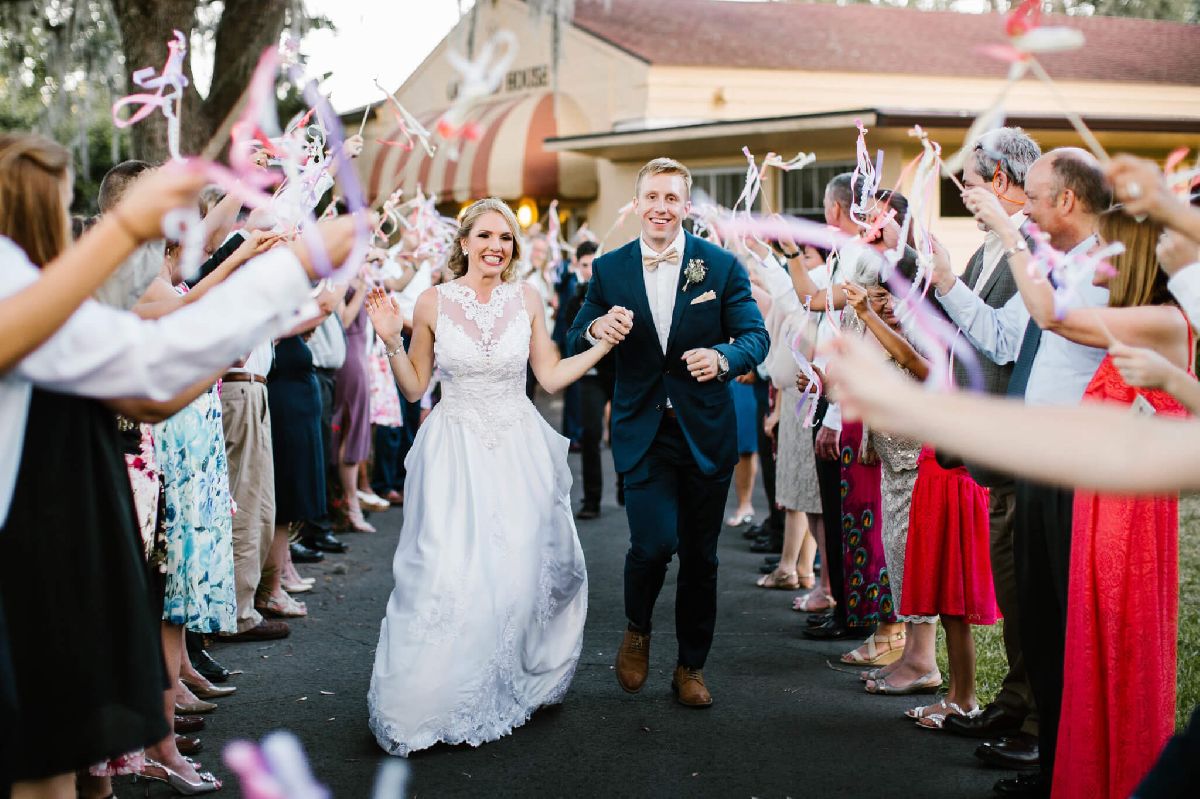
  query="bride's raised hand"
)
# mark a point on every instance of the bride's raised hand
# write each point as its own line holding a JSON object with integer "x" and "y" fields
{"x": 385, "y": 316}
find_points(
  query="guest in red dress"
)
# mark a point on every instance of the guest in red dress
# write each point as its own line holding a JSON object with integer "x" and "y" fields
{"x": 948, "y": 554}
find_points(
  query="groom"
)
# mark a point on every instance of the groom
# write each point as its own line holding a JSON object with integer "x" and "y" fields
{"x": 694, "y": 328}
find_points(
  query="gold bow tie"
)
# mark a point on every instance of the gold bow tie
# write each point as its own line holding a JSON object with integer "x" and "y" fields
{"x": 651, "y": 262}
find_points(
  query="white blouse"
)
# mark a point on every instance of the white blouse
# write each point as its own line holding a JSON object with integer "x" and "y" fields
{"x": 106, "y": 353}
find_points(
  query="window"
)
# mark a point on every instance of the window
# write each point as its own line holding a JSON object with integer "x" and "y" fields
{"x": 951, "y": 200}
{"x": 723, "y": 186}
{"x": 804, "y": 189}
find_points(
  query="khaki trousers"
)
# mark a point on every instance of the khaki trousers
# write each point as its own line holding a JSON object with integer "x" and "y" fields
{"x": 247, "y": 421}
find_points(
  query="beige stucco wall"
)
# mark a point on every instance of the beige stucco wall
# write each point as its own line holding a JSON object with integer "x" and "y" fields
{"x": 695, "y": 93}
{"x": 615, "y": 90}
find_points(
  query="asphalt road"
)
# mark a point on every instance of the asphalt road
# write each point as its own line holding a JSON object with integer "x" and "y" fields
{"x": 784, "y": 723}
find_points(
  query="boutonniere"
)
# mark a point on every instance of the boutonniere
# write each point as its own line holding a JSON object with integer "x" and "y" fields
{"x": 694, "y": 273}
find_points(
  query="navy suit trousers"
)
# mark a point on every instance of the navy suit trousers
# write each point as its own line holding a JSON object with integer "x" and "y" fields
{"x": 673, "y": 507}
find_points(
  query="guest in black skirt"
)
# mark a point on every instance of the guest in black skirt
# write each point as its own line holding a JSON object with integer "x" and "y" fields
{"x": 73, "y": 586}
{"x": 298, "y": 452}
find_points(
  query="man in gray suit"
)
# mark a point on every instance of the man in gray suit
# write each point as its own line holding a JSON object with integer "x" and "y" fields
{"x": 999, "y": 162}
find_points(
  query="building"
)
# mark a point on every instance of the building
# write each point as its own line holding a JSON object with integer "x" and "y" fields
{"x": 699, "y": 79}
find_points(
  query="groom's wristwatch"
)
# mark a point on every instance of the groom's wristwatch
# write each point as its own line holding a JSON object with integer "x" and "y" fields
{"x": 722, "y": 366}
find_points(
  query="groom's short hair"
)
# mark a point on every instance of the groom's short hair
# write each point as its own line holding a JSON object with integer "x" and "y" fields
{"x": 663, "y": 166}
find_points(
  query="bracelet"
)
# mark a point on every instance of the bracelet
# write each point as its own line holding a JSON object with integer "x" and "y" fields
{"x": 789, "y": 255}
{"x": 1020, "y": 246}
{"x": 121, "y": 223}
{"x": 399, "y": 348}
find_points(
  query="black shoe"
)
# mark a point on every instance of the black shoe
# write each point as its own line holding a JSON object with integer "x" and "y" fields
{"x": 302, "y": 554}
{"x": 767, "y": 545}
{"x": 772, "y": 560}
{"x": 315, "y": 527}
{"x": 588, "y": 512}
{"x": 817, "y": 619}
{"x": 993, "y": 722}
{"x": 830, "y": 631}
{"x": 1027, "y": 786}
{"x": 755, "y": 531}
{"x": 1015, "y": 751}
{"x": 766, "y": 568}
{"x": 324, "y": 542}
{"x": 208, "y": 667}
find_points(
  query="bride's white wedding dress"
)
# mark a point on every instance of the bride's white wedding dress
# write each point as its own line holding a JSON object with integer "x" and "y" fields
{"x": 485, "y": 623}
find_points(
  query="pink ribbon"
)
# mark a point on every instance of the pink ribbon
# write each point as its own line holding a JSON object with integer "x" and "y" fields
{"x": 167, "y": 88}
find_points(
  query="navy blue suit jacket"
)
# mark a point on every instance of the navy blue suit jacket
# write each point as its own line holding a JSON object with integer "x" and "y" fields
{"x": 730, "y": 324}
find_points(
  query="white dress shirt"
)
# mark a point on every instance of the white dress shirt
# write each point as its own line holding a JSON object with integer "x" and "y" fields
{"x": 1061, "y": 370}
{"x": 407, "y": 298}
{"x": 1185, "y": 286}
{"x": 260, "y": 359}
{"x": 103, "y": 352}
{"x": 661, "y": 285}
{"x": 993, "y": 252}
{"x": 328, "y": 344}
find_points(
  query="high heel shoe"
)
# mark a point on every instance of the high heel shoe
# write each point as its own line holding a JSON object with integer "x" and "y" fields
{"x": 207, "y": 784}
{"x": 208, "y": 690}
{"x": 191, "y": 708}
{"x": 282, "y": 607}
{"x": 297, "y": 588}
{"x": 357, "y": 523}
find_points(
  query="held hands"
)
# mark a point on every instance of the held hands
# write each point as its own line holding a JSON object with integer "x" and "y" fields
{"x": 702, "y": 364}
{"x": 614, "y": 326}
{"x": 1141, "y": 367}
{"x": 385, "y": 316}
{"x": 151, "y": 196}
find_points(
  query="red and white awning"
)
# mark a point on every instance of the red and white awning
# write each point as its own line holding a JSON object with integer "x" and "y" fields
{"x": 507, "y": 160}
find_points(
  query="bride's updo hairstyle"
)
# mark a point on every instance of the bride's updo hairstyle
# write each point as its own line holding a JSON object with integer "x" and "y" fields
{"x": 32, "y": 171}
{"x": 457, "y": 263}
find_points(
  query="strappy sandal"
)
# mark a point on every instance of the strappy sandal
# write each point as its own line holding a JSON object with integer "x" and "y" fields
{"x": 284, "y": 607}
{"x": 804, "y": 603}
{"x": 925, "y": 684}
{"x": 875, "y": 657}
{"x": 933, "y": 717}
{"x": 779, "y": 580}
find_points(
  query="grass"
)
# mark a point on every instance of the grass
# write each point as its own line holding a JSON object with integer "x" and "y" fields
{"x": 989, "y": 647}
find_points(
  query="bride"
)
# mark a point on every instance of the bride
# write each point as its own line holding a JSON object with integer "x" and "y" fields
{"x": 485, "y": 623}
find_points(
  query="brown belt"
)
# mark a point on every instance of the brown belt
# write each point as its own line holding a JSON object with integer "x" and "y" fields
{"x": 243, "y": 377}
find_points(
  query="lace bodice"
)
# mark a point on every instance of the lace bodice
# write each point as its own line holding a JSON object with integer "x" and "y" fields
{"x": 481, "y": 350}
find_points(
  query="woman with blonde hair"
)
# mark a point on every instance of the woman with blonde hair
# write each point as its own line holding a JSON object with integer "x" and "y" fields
{"x": 485, "y": 623}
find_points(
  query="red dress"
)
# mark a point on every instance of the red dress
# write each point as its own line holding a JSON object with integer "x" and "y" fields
{"x": 1123, "y": 599}
{"x": 948, "y": 558}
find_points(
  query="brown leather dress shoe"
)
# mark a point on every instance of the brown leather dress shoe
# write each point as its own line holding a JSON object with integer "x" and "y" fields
{"x": 689, "y": 688}
{"x": 266, "y": 630}
{"x": 633, "y": 660}
{"x": 188, "y": 746}
{"x": 186, "y": 724}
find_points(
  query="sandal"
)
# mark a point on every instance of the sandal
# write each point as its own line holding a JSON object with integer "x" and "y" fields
{"x": 875, "y": 657}
{"x": 284, "y": 607}
{"x": 925, "y": 684}
{"x": 779, "y": 579}
{"x": 739, "y": 521}
{"x": 805, "y": 602}
{"x": 933, "y": 717}
{"x": 807, "y": 581}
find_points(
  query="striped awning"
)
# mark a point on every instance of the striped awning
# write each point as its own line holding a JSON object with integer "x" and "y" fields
{"x": 508, "y": 160}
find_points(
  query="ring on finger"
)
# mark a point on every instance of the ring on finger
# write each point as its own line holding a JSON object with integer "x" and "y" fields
{"x": 1133, "y": 189}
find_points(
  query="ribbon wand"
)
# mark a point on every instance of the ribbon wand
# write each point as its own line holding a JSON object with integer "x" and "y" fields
{"x": 363, "y": 124}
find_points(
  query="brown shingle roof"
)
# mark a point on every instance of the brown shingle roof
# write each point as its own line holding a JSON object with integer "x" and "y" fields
{"x": 714, "y": 33}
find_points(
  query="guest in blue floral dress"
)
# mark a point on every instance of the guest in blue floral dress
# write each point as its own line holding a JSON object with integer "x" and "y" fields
{"x": 199, "y": 582}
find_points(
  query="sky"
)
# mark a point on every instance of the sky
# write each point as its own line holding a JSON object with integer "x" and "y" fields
{"x": 384, "y": 39}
